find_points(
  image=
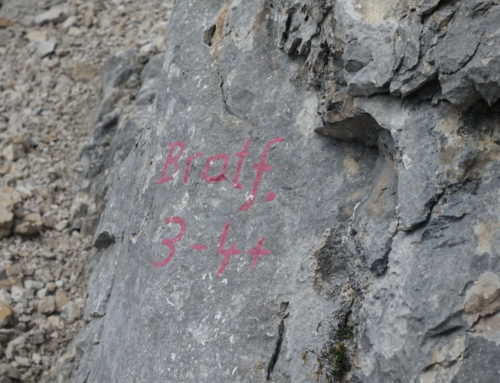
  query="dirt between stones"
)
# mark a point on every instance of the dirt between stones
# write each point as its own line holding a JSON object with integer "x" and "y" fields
{"x": 52, "y": 53}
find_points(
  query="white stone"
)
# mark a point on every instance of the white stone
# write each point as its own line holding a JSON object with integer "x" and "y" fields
{"x": 17, "y": 293}
{"x": 53, "y": 15}
{"x": 46, "y": 48}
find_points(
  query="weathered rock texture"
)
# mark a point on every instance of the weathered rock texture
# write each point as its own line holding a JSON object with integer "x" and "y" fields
{"x": 51, "y": 52}
{"x": 367, "y": 134}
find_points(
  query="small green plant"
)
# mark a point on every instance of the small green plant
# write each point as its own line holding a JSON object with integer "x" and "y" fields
{"x": 336, "y": 359}
{"x": 333, "y": 359}
{"x": 345, "y": 332}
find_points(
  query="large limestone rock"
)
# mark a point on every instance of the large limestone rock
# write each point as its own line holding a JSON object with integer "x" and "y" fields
{"x": 315, "y": 198}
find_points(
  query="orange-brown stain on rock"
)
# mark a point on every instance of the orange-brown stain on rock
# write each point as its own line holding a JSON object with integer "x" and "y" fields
{"x": 486, "y": 234}
{"x": 351, "y": 165}
{"x": 449, "y": 154}
{"x": 377, "y": 201}
{"x": 220, "y": 24}
{"x": 351, "y": 200}
{"x": 260, "y": 18}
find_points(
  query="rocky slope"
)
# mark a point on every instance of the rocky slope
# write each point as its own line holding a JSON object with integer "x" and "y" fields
{"x": 315, "y": 198}
{"x": 53, "y": 53}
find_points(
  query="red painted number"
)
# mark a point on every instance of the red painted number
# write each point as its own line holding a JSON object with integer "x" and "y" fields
{"x": 226, "y": 253}
{"x": 169, "y": 242}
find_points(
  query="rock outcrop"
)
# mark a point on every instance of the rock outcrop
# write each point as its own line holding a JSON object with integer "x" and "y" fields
{"x": 315, "y": 198}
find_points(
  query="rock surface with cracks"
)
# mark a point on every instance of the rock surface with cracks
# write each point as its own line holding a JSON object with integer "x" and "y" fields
{"x": 378, "y": 206}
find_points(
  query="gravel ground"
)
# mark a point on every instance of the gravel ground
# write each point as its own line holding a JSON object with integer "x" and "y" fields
{"x": 51, "y": 54}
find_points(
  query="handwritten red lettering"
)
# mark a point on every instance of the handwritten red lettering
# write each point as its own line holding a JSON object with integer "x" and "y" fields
{"x": 219, "y": 161}
{"x": 241, "y": 157}
{"x": 261, "y": 167}
{"x": 169, "y": 242}
{"x": 258, "y": 252}
{"x": 269, "y": 197}
{"x": 172, "y": 160}
{"x": 199, "y": 247}
{"x": 219, "y": 177}
{"x": 226, "y": 253}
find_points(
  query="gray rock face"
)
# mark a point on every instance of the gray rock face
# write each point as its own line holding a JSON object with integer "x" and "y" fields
{"x": 401, "y": 48}
{"x": 235, "y": 321}
{"x": 314, "y": 198}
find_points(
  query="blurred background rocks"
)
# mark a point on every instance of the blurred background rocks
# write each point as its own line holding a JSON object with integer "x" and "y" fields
{"x": 71, "y": 74}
